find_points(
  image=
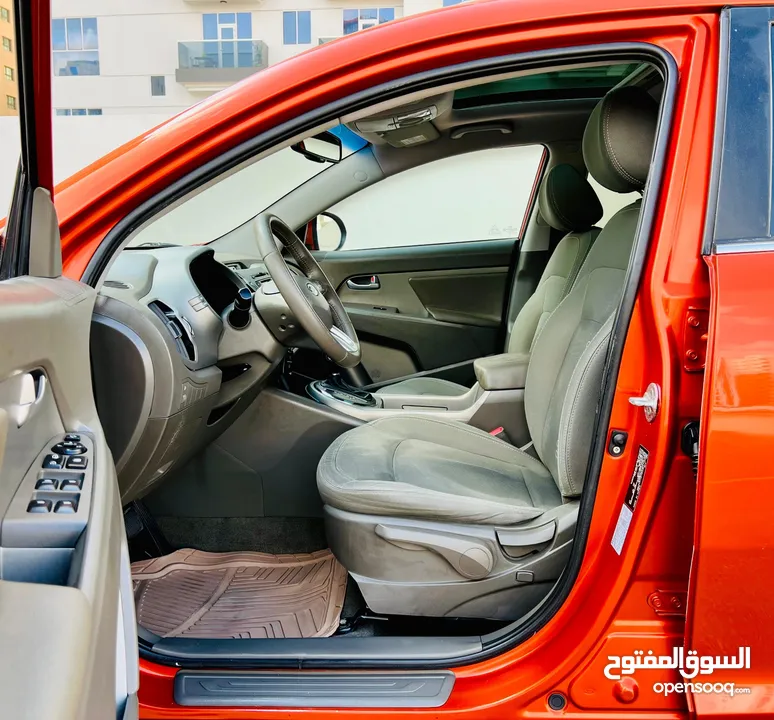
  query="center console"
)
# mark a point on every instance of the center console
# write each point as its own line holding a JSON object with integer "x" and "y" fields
{"x": 487, "y": 405}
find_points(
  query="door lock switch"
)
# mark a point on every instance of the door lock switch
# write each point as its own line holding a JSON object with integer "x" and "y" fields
{"x": 53, "y": 462}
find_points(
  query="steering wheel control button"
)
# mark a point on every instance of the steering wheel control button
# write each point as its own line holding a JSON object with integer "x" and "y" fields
{"x": 72, "y": 484}
{"x": 66, "y": 507}
{"x": 69, "y": 447}
{"x": 39, "y": 506}
{"x": 77, "y": 463}
{"x": 47, "y": 484}
{"x": 53, "y": 462}
{"x": 72, "y": 437}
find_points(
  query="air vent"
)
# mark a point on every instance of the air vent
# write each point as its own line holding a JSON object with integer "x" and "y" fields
{"x": 117, "y": 284}
{"x": 175, "y": 327}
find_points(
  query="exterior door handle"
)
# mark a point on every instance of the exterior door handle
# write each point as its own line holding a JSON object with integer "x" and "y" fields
{"x": 364, "y": 282}
{"x": 649, "y": 402}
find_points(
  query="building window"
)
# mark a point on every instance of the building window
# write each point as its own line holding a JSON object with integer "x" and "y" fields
{"x": 78, "y": 111}
{"x": 297, "y": 27}
{"x": 75, "y": 43}
{"x": 365, "y": 18}
{"x": 7, "y": 44}
{"x": 10, "y": 102}
{"x": 449, "y": 3}
{"x": 4, "y": 14}
{"x": 9, "y": 73}
{"x": 158, "y": 85}
{"x": 230, "y": 34}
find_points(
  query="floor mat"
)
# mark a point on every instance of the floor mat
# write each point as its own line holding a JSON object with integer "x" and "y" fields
{"x": 193, "y": 593}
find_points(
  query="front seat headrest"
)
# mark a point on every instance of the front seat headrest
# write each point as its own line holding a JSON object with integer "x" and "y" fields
{"x": 618, "y": 141}
{"x": 567, "y": 202}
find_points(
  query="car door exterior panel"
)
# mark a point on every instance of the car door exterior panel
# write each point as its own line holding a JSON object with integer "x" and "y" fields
{"x": 733, "y": 544}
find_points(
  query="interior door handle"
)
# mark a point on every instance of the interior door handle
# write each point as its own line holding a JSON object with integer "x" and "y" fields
{"x": 33, "y": 389}
{"x": 364, "y": 282}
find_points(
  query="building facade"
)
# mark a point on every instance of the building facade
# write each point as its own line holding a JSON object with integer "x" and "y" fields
{"x": 162, "y": 56}
{"x": 9, "y": 93}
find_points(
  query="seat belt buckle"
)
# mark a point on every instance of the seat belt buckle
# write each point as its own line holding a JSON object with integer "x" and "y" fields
{"x": 499, "y": 432}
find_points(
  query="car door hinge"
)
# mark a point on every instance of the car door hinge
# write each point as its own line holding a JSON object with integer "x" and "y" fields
{"x": 668, "y": 603}
{"x": 695, "y": 332}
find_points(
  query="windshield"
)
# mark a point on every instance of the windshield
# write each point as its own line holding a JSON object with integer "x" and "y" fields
{"x": 236, "y": 198}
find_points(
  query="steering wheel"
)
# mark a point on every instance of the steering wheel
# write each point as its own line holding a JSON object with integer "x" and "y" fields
{"x": 311, "y": 298}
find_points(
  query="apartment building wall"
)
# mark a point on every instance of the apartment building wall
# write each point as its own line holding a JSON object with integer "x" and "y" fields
{"x": 9, "y": 92}
{"x": 139, "y": 39}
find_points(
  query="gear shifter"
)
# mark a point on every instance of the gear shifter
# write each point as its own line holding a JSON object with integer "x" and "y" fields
{"x": 337, "y": 388}
{"x": 239, "y": 315}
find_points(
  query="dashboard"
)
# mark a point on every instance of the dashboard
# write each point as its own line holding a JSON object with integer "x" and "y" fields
{"x": 170, "y": 373}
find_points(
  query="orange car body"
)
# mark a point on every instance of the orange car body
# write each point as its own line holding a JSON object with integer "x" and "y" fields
{"x": 695, "y": 567}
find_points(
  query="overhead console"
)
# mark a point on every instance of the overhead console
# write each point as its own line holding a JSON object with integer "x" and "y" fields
{"x": 407, "y": 125}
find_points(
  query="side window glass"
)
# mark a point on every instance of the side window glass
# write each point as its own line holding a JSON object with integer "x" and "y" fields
{"x": 482, "y": 195}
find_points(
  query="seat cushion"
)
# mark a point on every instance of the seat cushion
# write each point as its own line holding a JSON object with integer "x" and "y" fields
{"x": 437, "y": 470}
{"x": 424, "y": 386}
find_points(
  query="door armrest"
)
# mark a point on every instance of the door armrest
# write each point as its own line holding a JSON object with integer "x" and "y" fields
{"x": 507, "y": 371}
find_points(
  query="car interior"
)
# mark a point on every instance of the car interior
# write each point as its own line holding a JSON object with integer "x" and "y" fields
{"x": 320, "y": 435}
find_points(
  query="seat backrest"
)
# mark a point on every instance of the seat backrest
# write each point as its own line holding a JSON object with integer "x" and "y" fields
{"x": 569, "y": 204}
{"x": 565, "y": 372}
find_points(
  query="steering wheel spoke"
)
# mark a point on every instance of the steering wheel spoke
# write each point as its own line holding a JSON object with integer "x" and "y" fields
{"x": 311, "y": 299}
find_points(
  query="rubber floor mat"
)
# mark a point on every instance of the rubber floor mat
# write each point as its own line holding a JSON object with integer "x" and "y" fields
{"x": 193, "y": 593}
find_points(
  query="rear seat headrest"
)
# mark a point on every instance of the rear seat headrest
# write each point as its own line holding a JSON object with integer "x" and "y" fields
{"x": 567, "y": 202}
{"x": 618, "y": 141}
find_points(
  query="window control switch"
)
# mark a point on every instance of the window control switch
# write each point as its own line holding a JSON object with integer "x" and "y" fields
{"x": 47, "y": 484}
{"x": 71, "y": 484}
{"x": 66, "y": 507}
{"x": 39, "y": 506}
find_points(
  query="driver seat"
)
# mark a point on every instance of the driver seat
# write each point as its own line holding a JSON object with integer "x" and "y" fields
{"x": 438, "y": 518}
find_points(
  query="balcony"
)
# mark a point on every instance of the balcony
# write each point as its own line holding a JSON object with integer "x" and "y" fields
{"x": 211, "y": 65}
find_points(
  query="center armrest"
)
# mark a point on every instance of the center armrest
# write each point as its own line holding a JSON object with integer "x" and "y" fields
{"x": 507, "y": 371}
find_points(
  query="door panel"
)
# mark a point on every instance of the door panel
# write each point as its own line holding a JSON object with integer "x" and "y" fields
{"x": 60, "y": 569}
{"x": 430, "y": 306}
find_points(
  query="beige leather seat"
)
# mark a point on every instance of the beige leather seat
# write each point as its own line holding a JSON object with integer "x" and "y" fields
{"x": 439, "y": 518}
{"x": 569, "y": 204}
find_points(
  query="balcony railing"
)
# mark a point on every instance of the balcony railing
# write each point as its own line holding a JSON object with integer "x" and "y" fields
{"x": 218, "y": 63}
